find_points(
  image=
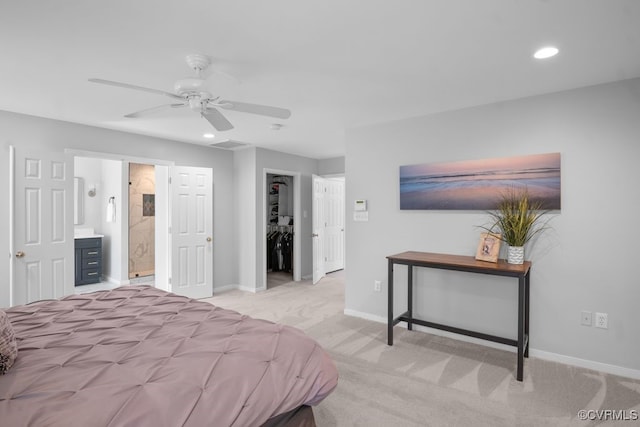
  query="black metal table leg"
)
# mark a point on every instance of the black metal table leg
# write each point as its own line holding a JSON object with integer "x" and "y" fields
{"x": 390, "y": 303}
{"x": 521, "y": 325}
{"x": 410, "y": 297}
{"x": 526, "y": 313}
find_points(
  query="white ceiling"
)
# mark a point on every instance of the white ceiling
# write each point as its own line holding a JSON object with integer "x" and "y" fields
{"x": 336, "y": 64}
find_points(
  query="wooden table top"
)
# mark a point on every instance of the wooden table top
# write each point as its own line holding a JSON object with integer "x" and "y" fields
{"x": 429, "y": 259}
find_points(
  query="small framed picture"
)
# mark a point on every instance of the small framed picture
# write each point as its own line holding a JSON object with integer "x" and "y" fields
{"x": 488, "y": 247}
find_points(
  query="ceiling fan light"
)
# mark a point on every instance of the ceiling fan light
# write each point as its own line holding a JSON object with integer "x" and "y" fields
{"x": 546, "y": 52}
{"x": 194, "y": 103}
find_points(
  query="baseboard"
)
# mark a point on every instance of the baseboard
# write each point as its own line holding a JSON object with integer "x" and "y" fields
{"x": 309, "y": 277}
{"x": 225, "y": 288}
{"x": 252, "y": 290}
{"x": 114, "y": 281}
{"x": 588, "y": 364}
{"x": 539, "y": 354}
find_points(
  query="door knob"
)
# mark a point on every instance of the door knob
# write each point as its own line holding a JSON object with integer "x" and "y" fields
{"x": 314, "y": 235}
{"x": 209, "y": 239}
{"x": 20, "y": 254}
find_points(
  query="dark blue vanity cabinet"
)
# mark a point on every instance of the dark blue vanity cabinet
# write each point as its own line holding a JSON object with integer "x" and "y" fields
{"x": 88, "y": 259}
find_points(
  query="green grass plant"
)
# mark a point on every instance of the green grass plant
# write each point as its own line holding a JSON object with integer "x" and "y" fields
{"x": 517, "y": 217}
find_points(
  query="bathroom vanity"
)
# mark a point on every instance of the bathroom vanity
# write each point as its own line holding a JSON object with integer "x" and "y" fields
{"x": 88, "y": 260}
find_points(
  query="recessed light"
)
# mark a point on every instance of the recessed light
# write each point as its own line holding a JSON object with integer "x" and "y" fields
{"x": 546, "y": 52}
{"x": 208, "y": 135}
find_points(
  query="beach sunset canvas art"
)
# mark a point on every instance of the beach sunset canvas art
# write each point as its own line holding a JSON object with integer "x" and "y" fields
{"x": 478, "y": 184}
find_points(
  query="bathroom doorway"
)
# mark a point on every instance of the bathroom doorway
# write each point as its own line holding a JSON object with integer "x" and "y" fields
{"x": 142, "y": 224}
{"x": 106, "y": 213}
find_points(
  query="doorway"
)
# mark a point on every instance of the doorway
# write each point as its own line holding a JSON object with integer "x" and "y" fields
{"x": 142, "y": 193}
{"x": 294, "y": 206}
{"x": 279, "y": 229}
{"x": 110, "y": 211}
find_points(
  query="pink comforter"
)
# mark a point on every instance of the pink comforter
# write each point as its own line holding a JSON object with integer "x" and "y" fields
{"x": 138, "y": 356}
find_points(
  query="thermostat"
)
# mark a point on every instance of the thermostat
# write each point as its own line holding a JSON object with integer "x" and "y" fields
{"x": 360, "y": 205}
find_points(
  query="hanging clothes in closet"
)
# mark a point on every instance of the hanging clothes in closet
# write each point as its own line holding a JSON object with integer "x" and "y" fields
{"x": 280, "y": 250}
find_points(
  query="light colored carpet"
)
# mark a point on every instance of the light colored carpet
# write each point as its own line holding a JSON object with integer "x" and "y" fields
{"x": 427, "y": 380}
{"x": 277, "y": 278}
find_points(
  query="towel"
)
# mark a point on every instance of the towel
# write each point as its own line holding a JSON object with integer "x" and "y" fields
{"x": 111, "y": 210}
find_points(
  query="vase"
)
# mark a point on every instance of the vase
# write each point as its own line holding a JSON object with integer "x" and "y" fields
{"x": 515, "y": 255}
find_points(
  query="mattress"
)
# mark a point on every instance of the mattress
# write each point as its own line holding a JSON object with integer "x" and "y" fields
{"x": 139, "y": 356}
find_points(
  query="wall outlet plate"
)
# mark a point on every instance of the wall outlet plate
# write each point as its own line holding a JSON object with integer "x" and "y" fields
{"x": 602, "y": 320}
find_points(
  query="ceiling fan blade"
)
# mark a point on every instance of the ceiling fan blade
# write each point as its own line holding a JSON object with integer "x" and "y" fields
{"x": 263, "y": 110}
{"x": 153, "y": 109}
{"x": 129, "y": 86}
{"x": 216, "y": 119}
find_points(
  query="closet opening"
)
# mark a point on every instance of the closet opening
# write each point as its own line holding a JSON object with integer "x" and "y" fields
{"x": 279, "y": 229}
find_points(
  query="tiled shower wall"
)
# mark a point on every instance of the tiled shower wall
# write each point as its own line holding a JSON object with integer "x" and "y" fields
{"x": 141, "y": 220}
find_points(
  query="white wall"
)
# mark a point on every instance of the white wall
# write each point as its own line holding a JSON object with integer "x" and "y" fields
{"x": 333, "y": 166}
{"x": 587, "y": 261}
{"x": 115, "y": 237}
{"x": 249, "y": 165}
{"x": 27, "y": 132}
{"x": 106, "y": 177}
{"x": 269, "y": 159}
{"x": 244, "y": 181}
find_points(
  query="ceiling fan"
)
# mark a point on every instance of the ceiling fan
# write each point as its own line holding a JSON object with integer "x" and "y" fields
{"x": 189, "y": 92}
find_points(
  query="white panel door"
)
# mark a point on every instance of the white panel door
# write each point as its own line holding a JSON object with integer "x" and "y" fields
{"x": 42, "y": 254}
{"x": 191, "y": 231}
{"x": 334, "y": 225}
{"x": 318, "y": 228}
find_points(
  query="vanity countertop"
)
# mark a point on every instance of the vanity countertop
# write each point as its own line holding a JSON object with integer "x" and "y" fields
{"x": 85, "y": 233}
{"x": 87, "y": 236}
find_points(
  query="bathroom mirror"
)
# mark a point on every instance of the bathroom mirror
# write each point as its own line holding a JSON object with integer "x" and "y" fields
{"x": 78, "y": 201}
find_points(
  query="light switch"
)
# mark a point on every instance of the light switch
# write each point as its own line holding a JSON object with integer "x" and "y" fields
{"x": 361, "y": 216}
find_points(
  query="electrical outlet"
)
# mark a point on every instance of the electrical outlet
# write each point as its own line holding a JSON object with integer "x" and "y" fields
{"x": 585, "y": 318}
{"x": 602, "y": 320}
{"x": 377, "y": 284}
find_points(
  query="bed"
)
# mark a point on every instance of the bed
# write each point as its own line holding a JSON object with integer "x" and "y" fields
{"x": 139, "y": 356}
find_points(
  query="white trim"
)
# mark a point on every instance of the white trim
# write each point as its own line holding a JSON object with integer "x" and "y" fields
{"x": 539, "y": 354}
{"x": 588, "y": 364}
{"x": 225, "y": 288}
{"x": 308, "y": 277}
{"x": 335, "y": 176}
{"x": 113, "y": 281}
{"x": 121, "y": 157}
{"x": 363, "y": 315}
{"x": 252, "y": 290}
{"x": 12, "y": 201}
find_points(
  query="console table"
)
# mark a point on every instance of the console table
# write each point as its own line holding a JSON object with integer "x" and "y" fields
{"x": 471, "y": 265}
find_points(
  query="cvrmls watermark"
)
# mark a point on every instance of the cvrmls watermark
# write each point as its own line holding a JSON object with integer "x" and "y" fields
{"x": 608, "y": 414}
